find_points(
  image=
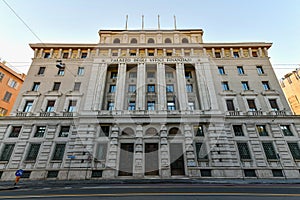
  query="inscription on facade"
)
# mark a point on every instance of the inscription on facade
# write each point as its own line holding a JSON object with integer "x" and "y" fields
{"x": 152, "y": 60}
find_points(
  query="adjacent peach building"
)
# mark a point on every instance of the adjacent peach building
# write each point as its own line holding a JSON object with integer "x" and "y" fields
{"x": 10, "y": 85}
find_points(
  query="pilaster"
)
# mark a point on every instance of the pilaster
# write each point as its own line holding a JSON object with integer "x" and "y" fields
{"x": 161, "y": 87}
{"x": 120, "y": 93}
{"x": 141, "y": 88}
{"x": 181, "y": 86}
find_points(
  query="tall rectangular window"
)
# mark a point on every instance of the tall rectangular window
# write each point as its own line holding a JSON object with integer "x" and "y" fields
{"x": 3, "y": 111}
{"x": 170, "y": 88}
{"x": 15, "y": 131}
{"x": 225, "y": 85}
{"x": 50, "y": 106}
{"x": 244, "y": 151}
{"x": 7, "y": 96}
{"x": 47, "y": 55}
{"x": 110, "y": 105}
{"x": 84, "y": 55}
{"x": 189, "y": 88}
{"x": 61, "y": 72}
{"x": 188, "y": 74}
{"x": 132, "y": 74}
{"x": 218, "y": 54}
{"x": 266, "y": 85}
{"x": 273, "y": 104}
{"x": 198, "y": 130}
{"x": 201, "y": 151}
{"x": 286, "y": 130}
{"x": 262, "y": 131}
{"x": 12, "y": 83}
{"x": 113, "y": 75}
{"x": 33, "y": 152}
{"x": 64, "y": 131}
{"x": 295, "y": 150}
{"x": 101, "y": 151}
{"x": 28, "y": 106}
{"x": 269, "y": 150}
{"x": 80, "y": 71}
{"x": 238, "y": 130}
{"x": 259, "y": 70}
{"x": 171, "y": 105}
{"x": 104, "y": 131}
{"x": 41, "y": 71}
{"x": 72, "y": 106}
{"x": 151, "y": 88}
{"x": 245, "y": 85}
{"x": 236, "y": 54}
{"x": 1, "y": 76}
{"x": 240, "y": 70}
{"x": 36, "y": 86}
{"x": 131, "y": 105}
{"x": 112, "y": 88}
{"x": 251, "y": 104}
{"x": 65, "y": 55}
{"x": 40, "y": 131}
{"x": 230, "y": 105}
{"x": 151, "y": 105}
{"x": 56, "y": 86}
{"x": 191, "y": 105}
{"x": 132, "y": 88}
{"x": 77, "y": 86}
{"x": 59, "y": 151}
{"x": 7, "y": 152}
{"x": 254, "y": 54}
{"x": 221, "y": 70}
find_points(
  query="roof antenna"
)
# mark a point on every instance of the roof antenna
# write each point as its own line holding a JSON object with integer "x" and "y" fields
{"x": 126, "y": 24}
{"x": 142, "y": 22}
{"x": 175, "y": 22}
{"x": 158, "y": 22}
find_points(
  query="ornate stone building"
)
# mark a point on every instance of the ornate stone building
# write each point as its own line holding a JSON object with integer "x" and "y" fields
{"x": 150, "y": 104}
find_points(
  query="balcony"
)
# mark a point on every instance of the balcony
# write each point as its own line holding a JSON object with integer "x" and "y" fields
{"x": 234, "y": 113}
{"x": 255, "y": 113}
{"x": 279, "y": 112}
{"x": 69, "y": 114}
{"x": 47, "y": 114}
{"x": 23, "y": 114}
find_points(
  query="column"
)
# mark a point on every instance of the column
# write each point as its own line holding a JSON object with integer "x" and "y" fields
{"x": 78, "y": 53}
{"x": 250, "y": 52}
{"x": 138, "y": 159}
{"x": 231, "y": 52}
{"x": 181, "y": 87}
{"x": 161, "y": 87}
{"x": 51, "y": 53}
{"x": 204, "y": 52}
{"x": 59, "y": 54}
{"x": 97, "y": 52}
{"x": 36, "y": 52}
{"x": 88, "y": 53}
{"x": 70, "y": 53}
{"x": 141, "y": 88}
{"x": 164, "y": 153}
{"x": 223, "y": 53}
{"x": 203, "y": 88}
{"x": 241, "y": 53}
{"x": 41, "y": 53}
{"x": 213, "y": 52}
{"x": 120, "y": 93}
{"x": 266, "y": 51}
{"x": 260, "y": 52}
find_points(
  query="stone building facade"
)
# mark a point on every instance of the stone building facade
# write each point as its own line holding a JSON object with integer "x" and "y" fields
{"x": 150, "y": 104}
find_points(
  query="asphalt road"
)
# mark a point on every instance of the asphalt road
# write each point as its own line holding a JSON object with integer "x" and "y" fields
{"x": 159, "y": 191}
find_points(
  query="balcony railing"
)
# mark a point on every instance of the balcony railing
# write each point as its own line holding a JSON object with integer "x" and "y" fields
{"x": 47, "y": 114}
{"x": 23, "y": 114}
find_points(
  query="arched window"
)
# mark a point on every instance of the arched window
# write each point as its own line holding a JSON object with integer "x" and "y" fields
{"x": 151, "y": 131}
{"x": 133, "y": 41}
{"x": 185, "y": 40}
{"x": 116, "y": 41}
{"x": 174, "y": 131}
{"x": 151, "y": 40}
{"x": 168, "y": 40}
{"x": 128, "y": 131}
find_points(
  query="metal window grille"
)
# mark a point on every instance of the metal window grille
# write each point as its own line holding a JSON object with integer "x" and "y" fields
{"x": 40, "y": 130}
{"x": 7, "y": 152}
{"x": 33, "y": 151}
{"x": 244, "y": 151}
{"x": 295, "y": 150}
{"x": 238, "y": 130}
{"x": 269, "y": 150}
{"x": 59, "y": 152}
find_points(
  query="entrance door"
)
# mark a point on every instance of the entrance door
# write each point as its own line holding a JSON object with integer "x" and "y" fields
{"x": 177, "y": 159}
{"x": 151, "y": 159}
{"x": 126, "y": 160}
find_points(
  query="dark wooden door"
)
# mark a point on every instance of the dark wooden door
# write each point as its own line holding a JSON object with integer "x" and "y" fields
{"x": 126, "y": 159}
{"x": 177, "y": 159}
{"x": 151, "y": 159}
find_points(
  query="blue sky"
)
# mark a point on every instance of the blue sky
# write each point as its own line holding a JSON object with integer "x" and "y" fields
{"x": 78, "y": 21}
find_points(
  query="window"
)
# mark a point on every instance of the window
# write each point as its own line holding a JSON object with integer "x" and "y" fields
{"x": 116, "y": 41}
{"x": 104, "y": 131}
{"x": 169, "y": 54}
{"x": 217, "y": 54}
{"x": 47, "y": 55}
{"x": 245, "y": 85}
{"x": 7, "y": 152}
{"x": 225, "y": 85}
{"x": 52, "y": 174}
{"x": 133, "y": 41}
{"x": 171, "y": 105}
{"x": 40, "y": 131}
{"x": 101, "y": 151}
{"x": 244, "y": 151}
{"x": 132, "y": 74}
{"x": 269, "y": 150}
{"x": 191, "y": 105}
{"x": 273, "y": 104}
{"x": 251, "y": 104}
{"x": 65, "y": 55}
{"x": 249, "y": 173}
{"x": 189, "y": 88}
{"x": 277, "y": 173}
{"x": 28, "y": 106}
{"x": 84, "y": 55}
{"x": 50, "y": 106}
{"x": 254, "y": 54}
{"x": 96, "y": 173}
{"x": 238, "y": 130}
{"x": 56, "y": 86}
{"x": 185, "y": 40}
{"x": 262, "y": 131}
{"x": 110, "y": 105}
{"x": 205, "y": 172}
{"x": 198, "y": 130}
{"x": 77, "y": 86}
{"x": 286, "y": 130}
{"x": 150, "y": 40}
{"x": 112, "y": 88}
{"x": 132, "y": 88}
{"x": 33, "y": 152}
{"x": 201, "y": 151}
{"x": 188, "y": 74}
{"x": 150, "y": 105}
{"x": 113, "y": 75}
{"x": 259, "y": 70}
{"x": 266, "y": 85}
{"x": 41, "y": 71}
{"x": 150, "y": 74}
{"x": 221, "y": 70}
{"x": 7, "y": 96}
{"x": 169, "y": 75}
{"x": 236, "y": 54}
{"x": 114, "y": 53}
{"x": 168, "y": 40}
{"x": 3, "y": 111}
{"x": 131, "y": 105}
{"x": 150, "y": 53}
{"x": 295, "y": 150}
{"x": 230, "y": 105}
{"x": 240, "y": 70}
{"x": 61, "y": 72}
{"x": 59, "y": 151}
{"x": 72, "y": 106}
{"x": 132, "y": 53}
{"x": 64, "y": 131}
{"x": 80, "y": 71}
{"x": 15, "y": 131}
{"x": 36, "y": 86}
{"x": 151, "y": 88}
{"x": 170, "y": 88}
{"x": 12, "y": 83}
{"x": 1, "y": 76}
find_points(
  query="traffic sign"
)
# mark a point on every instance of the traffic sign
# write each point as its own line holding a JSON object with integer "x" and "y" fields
{"x": 71, "y": 157}
{"x": 19, "y": 172}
